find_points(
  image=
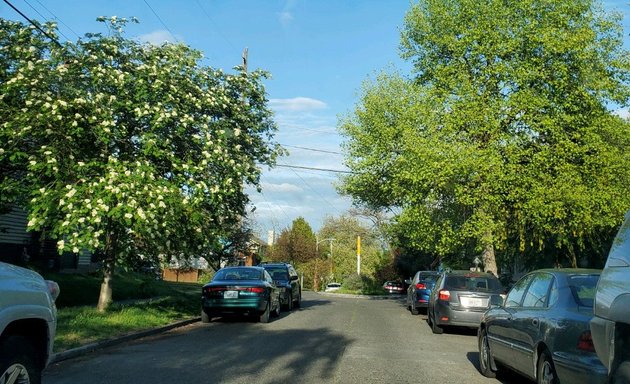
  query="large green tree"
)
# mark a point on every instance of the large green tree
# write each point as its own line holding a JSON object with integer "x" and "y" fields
{"x": 125, "y": 148}
{"x": 503, "y": 133}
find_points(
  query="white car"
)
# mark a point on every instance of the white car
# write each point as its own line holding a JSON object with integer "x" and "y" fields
{"x": 333, "y": 287}
{"x": 28, "y": 322}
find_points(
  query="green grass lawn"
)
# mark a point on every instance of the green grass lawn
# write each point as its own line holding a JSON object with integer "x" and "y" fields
{"x": 140, "y": 303}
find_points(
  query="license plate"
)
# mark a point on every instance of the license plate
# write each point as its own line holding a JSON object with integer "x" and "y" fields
{"x": 230, "y": 295}
{"x": 472, "y": 302}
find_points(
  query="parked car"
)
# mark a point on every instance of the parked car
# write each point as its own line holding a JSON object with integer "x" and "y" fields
{"x": 287, "y": 280}
{"x": 28, "y": 323}
{"x": 611, "y": 324}
{"x": 393, "y": 287}
{"x": 246, "y": 291}
{"x": 331, "y": 287}
{"x": 542, "y": 330}
{"x": 459, "y": 298}
{"x": 419, "y": 290}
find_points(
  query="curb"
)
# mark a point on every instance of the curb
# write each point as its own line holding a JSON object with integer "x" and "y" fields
{"x": 84, "y": 349}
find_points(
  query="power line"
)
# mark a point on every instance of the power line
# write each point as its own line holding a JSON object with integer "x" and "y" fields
{"x": 161, "y": 21}
{"x": 212, "y": 22}
{"x": 34, "y": 24}
{"x": 58, "y": 19}
{"x": 317, "y": 193}
{"x": 312, "y": 149}
{"x": 312, "y": 168}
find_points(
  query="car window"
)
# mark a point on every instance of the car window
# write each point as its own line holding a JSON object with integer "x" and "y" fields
{"x": 278, "y": 273}
{"x": 238, "y": 274}
{"x": 427, "y": 277}
{"x": 515, "y": 295}
{"x": 478, "y": 283}
{"x": 621, "y": 245}
{"x": 583, "y": 288}
{"x": 538, "y": 291}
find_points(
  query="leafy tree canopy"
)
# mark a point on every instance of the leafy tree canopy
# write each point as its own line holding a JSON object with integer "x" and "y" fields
{"x": 502, "y": 134}
{"x": 127, "y": 148}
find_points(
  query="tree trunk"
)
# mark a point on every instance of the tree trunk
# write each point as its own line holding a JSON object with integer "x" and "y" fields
{"x": 105, "y": 297}
{"x": 488, "y": 258}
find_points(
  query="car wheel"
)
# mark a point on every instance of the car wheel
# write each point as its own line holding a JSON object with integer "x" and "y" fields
{"x": 298, "y": 302}
{"x": 19, "y": 361}
{"x": 485, "y": 357}
{"x": 434, "y": 327}
{"x": 264, "y": 317}
{"x": 414, "y": 310}
{"x": 622, "y": 374}
{"x": 276, "y": 312}
{"x": 546, "y": 373}
{"x": 205, "y": 317}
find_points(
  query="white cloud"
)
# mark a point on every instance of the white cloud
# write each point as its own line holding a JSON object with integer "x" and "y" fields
{"x": 296, "y": 104}
{"x": 284, "y": 187}
{"x": 158, "y": 37}
{"x": 624, "y": 113}
{"x": 285, "y": 18}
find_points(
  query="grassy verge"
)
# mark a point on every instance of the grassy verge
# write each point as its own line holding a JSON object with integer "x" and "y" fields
{"x": 140, "y": 303}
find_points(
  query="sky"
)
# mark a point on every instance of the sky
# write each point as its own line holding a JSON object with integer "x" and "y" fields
{"x": 319, "y": 53}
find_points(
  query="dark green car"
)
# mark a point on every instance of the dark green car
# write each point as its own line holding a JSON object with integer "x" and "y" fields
{"x": 244, "y": 291}
{"x": 542, "y": 329}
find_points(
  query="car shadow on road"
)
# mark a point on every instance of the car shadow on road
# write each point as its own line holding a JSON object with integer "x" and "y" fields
{"x": 505, "y": 376}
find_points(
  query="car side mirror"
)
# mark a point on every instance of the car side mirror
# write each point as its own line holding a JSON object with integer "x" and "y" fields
{"x": 293, "y": 278}
{"x": 408, "y": 281}
{"x": 496, "y": 301}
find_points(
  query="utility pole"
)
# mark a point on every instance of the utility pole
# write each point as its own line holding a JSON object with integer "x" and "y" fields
{"x": 245, "y": 52}
{"x": 358, "y": 255}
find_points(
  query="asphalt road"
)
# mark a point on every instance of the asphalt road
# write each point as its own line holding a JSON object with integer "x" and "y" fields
{"x": 330, "y": 339}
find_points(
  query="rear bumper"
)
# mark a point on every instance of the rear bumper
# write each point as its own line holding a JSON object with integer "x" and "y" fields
{"x": 240, "y": 306}
{"x": 458, "y": 318}
{"x": 576, "y": 368}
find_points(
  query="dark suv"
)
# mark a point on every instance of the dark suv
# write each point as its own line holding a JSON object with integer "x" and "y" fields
{"x": 610, "y": 327}
{"x": 286, "y": 279}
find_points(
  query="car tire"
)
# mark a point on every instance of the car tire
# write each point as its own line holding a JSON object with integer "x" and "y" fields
{"x": 264, "y": 317}
{"x": 205, "y": 317}
{"x": 298, "y": 302}
{"x": 485, "y": 357}
{"x": 276, "y": 312}
{"x": 622, "y": 374}
{"x": 289, "y": 305}
{"x": 546, "y": 372}
{"x": 20, "y": 359}
{"x": 414, "y": 310}
{"x": 438, "y": 330}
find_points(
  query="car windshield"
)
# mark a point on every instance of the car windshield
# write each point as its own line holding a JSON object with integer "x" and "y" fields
{"x": 477, "y": 283}
{"x": 278, "y": 273}
{"x": 583, "y": 288}
{"x": 427, "y": 277}
{"x": 238, "y": 274}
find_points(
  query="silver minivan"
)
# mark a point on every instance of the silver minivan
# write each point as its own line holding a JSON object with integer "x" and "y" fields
{"x": 610, "y": 327}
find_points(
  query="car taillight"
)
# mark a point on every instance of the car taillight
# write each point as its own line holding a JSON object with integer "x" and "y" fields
{"x": 585, "y": 342}
{"x": 53, "y": 288}
{"x": 444, "y": 295}
{"x": 256, "y": 289}
{"x": 421, "y": 286}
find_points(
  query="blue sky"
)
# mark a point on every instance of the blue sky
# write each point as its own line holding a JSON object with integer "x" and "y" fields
{"x": 318, "y": 52}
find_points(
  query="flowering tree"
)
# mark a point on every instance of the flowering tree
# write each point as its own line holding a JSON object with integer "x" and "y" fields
{"x": 125, "y": 148}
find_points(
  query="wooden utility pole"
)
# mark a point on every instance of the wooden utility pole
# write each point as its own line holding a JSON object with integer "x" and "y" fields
{"x": 245, "y": 52}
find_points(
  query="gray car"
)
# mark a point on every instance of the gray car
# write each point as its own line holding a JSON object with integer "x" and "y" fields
{"x": 459, "y": 298}
{"x": 542, "y": 329}
{"x": 611, "y": 323}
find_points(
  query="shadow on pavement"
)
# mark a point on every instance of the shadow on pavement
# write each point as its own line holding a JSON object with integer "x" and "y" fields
{"x": 504, "y": 376}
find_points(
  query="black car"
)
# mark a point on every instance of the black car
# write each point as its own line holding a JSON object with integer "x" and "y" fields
{"x": 460, "y": 298}
{"x": 248, "y": 291}
{"x": 542, "y": 330}
{"x": 287, "y": 280}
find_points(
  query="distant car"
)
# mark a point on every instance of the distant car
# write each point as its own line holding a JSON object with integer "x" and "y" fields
{"x": 248, "y": 291}
{"x": 611, "y": 324}
{"x": 287, "y": 280}
{"x": 28, "y": 323}
{"x": 393, "y": 287}
{"x": 331, "y": 287}
{"x": 459, "y": 298}
{"x": 542, "y": 330}
{"x": 419, "y": 290}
